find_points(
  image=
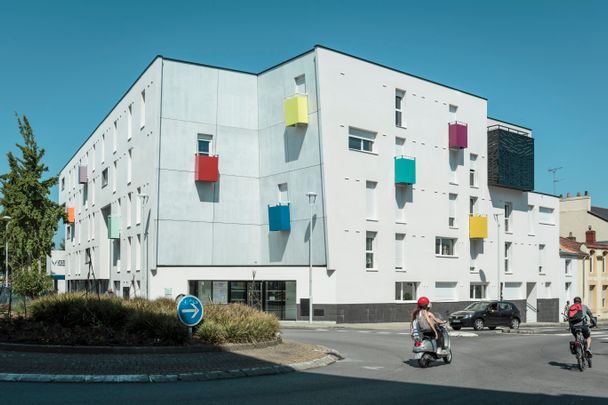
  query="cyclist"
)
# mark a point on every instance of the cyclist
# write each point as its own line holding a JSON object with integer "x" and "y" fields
{"x": 577, "y": 317}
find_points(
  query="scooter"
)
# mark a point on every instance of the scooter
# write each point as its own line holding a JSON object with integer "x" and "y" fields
{"x": 425, "y": 349}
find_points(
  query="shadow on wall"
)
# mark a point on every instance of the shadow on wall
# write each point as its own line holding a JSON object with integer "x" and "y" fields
{"x": 314, "y": 224}
{"x": 277, "y": 242}
{"x": 208, "y": 192}
{"x": 293, "y": 139}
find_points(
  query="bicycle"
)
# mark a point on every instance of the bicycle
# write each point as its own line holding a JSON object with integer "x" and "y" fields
{"x": 579, "y": 349}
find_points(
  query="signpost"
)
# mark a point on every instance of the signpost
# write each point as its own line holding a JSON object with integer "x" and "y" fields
{"x": 190, "y": 311}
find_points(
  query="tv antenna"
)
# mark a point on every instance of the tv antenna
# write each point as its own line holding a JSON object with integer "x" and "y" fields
{"x": 555, "y": 180}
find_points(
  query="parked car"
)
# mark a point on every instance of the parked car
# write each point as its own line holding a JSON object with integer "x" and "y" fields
{"x": 491, "y": 314}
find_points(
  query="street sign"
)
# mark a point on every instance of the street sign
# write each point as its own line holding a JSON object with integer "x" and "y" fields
{"x": 190, "y": 310}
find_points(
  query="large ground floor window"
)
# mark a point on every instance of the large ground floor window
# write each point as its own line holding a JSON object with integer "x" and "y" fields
{"x": 277, "y": 297}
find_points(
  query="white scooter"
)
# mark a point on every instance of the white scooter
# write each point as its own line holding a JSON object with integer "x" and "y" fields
{"x": 425, "y": 349}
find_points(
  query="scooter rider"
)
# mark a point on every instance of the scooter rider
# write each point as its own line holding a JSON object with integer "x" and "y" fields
{"x": 428, "y": 323}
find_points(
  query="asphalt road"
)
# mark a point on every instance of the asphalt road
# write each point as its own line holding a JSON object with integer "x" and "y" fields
{"x": 488, "y": 368}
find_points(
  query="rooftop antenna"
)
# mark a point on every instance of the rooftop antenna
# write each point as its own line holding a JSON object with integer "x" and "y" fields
{"x": 555, "y": 181}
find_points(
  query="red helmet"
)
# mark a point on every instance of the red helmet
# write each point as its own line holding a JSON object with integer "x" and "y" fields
{"x": 423, "y": 301}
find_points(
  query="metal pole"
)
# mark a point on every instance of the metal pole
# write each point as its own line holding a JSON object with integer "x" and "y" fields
{"x": 310, "y": 268}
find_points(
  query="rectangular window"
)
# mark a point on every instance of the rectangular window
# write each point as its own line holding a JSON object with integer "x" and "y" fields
{"x": 400, "y": 200}
{"x": 94, "y": 219}
{"x": 79, "y": 232}
{"x": 93, "y": 185}
{"x": 399, "y": 251}
{"x": 399, "y": 146}
{"x": 399, "y": 104}
{"x": 507, "y": 256}
{"x": 601, "y": 263}
{"x": 104, "y": 177}
{"x": 129, "y": 205}
{"x": 116, "y": 254}
{"x": 138, "y": 206}
{"x": 473, "y": 205}
{"x": 138, "y": 253}
{"x": 454, "y": 157}
{"x": 445, "y": 290}
{"x": 300, "y": 84}
{"x": 568, "y": 267}
{"x": 477, "y": 291}
{"x": 406, "y": 291}
{"x": 89, "y": 228}
{"x": 370, "y": 244}
{"x": 283, "y": 193}
{"x": 452, "y": 210}
{"x": 94, "y": 157}
{"x": 142, "y": 112}
{"x": 130, "y": 121}
{"x": 85, "y": 195}
{"x": 508, "y": 222}
{"x": 475, "y": 249}
{"x": 361, "y": 140}
{"x": 103, "y": 148}
{"x": 445, "y": 246}
{"x": 62, "y": 183}
{"x": 545, "y": 216}
{"x": 115, "y": 137}
{"x": 604, "y": 295}
{"x": 204, "y": 145}
{"x": 129, "y": 239}
{"x": 371, "y": 199}
{"x": 541, "y": 258}
{"x": 114, "y": 175}
{"x": 473, "y": 171}
{"x": 530, "y": 219}
{"x": 130, "y": 166}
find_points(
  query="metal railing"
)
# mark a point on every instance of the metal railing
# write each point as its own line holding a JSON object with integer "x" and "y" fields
{"x": 508, "y": 129}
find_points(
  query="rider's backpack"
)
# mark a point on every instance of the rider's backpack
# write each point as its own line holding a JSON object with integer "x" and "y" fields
{"x": 575, "y": 313}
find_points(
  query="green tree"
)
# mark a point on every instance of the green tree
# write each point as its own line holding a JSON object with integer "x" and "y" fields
{"x": 25, "y": 198}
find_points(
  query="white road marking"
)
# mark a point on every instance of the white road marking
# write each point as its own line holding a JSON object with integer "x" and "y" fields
{"x": 321, "y": 330}
{"x": 463, "y": 334}
{"x": 385, "y": 333}
{"x": 372, "y": 368}
{"x": 364, "y": 331}
{"x": 403, "y": 333}
{"x": 342, "y": 330}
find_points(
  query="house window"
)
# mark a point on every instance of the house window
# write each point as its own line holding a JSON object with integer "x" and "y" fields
{"x": 62, "y": 183}
{"x": 283, "y": 193}
{"x": 399, "y": 251}
{"x": 138, "y": 206}
{"x": 300, "y": 84}
{"x": 361, "y": 140}
{"x": 93, "y": 185}
{"x": 130, "y": 166}
{"x": 400, "y": 200}
{"x": 115, "y": 136}
{"x": 93, "y": 157}
{"x": 541, "y": 258}
{"x": 130, "y": 121}
{"x": 116, "y": 254}
{"x": 508, "y": 210}
{"x": 568, "y": 267}
{"x": 138, "y": 253}
{"x": 475, "y": 249}
{"x": 129, "y": 205}
{"x": 104, "y": 177}
{"x": 204, "y": 144}
{"x": 567, "y": 289}
{"x": 88, "y": 228}
{"x": 473, "y": 171}
{"x": 601, "y": 263}
{"x": 114, "y": 175}
{"x": 142, "y": 113}
{"x": 473, "y": 205}
{"x": 452, "y": 210}
{"x": 477, "y": 291}
{"x": 445, "y": 290}
{"x": 94, "y": 219}
{"x": 444, "y": 246}
{"x": 399, "y": 146}
{"x": 406, "y": 291}
{"x": 507, "y": 256}
{"x": 370, "y": 245}
{"x": 103, "y": 148}
{"x": 604, "y": 295}
{"x": 453, "y": 108}
{"x": 399, "y": 104}
{"x": 531, "y": 219}
{"x": 371, "y": 199}
{"x": 545, "y": 216}
{"x": 129, "y": 239}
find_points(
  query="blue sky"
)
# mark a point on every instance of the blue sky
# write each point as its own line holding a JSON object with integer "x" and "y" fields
{"x": 541, "y": 64}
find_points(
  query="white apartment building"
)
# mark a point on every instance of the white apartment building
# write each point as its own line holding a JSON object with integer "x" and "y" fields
{"x": 197, "y": 181}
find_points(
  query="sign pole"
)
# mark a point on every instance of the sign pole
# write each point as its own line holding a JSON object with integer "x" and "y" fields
{"x": 190, "y": 333}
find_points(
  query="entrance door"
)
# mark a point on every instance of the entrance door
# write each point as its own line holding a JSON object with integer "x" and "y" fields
{"x": 531, "y": 310}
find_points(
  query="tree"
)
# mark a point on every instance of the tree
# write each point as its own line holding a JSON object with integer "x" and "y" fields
{"x": 30, "y": 283}
{"x": 25, "y": 198}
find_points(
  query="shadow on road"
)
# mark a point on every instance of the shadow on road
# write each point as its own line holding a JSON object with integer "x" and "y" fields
{"x": 414, "y": 363}
{"x": 564, "y": 366}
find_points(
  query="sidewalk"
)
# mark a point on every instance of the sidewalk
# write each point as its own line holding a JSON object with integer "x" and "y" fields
{"x": 70, "y": 367}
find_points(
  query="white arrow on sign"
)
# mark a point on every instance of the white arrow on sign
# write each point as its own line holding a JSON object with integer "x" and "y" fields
{"x": 194, "y": 311}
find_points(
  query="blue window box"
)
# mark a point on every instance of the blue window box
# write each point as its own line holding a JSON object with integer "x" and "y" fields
{"x": 279, "y": 218}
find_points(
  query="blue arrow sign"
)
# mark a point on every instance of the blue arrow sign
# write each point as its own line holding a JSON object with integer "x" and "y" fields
{"x": 190, "y": 310}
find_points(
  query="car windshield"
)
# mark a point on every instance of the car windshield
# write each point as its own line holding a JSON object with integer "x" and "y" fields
{"x": 477, "y": 306}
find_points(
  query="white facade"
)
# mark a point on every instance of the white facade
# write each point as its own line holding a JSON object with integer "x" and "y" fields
{"x": 374, "y": 242}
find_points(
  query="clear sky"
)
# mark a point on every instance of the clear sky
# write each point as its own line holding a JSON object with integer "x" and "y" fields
{"x": 541, "y": 64}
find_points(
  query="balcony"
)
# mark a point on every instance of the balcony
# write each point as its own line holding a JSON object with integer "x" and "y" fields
{"x": 71, "y": 215}
{"x": 510, "y": 158}
{"x": 296, "y": 111}
{"x": 279, "y": 218}
{"x": 405, "y": 170}
{"x": 83, "y": 176}
{"x": 458, "y": 133}
{"x": 114, "y": 227}
{"x": 478, "y": 226}
{"x": 206, "y": 168}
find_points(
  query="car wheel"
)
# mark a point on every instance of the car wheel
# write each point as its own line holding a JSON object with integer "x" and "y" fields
{"x": 456, "y": 327}
{"x": 514, "y": 323}
{"x": 478, "y": 324}
{"x": 491, "y": 327}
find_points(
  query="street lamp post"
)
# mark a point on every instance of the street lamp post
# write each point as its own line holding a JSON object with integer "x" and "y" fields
{"x": 7, "y": 219}
{"x": 498, "y": 289}
{"x": 312, "y": 197}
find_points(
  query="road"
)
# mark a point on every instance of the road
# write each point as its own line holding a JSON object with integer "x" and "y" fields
{"x": 487, "y": 368}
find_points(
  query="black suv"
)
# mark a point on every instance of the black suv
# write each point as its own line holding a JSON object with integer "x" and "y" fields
{"x": 490, "y": 314}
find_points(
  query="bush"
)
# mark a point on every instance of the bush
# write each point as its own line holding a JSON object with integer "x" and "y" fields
{"x": 236, "y": 323}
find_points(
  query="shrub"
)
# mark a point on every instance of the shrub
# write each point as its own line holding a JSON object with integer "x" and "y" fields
{"x": 236, "y": 323}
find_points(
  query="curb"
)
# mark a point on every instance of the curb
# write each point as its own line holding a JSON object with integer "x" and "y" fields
{"x": 331, "y": 357}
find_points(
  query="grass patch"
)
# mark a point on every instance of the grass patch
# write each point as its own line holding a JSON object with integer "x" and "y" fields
{"x": 236, "y": 323}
